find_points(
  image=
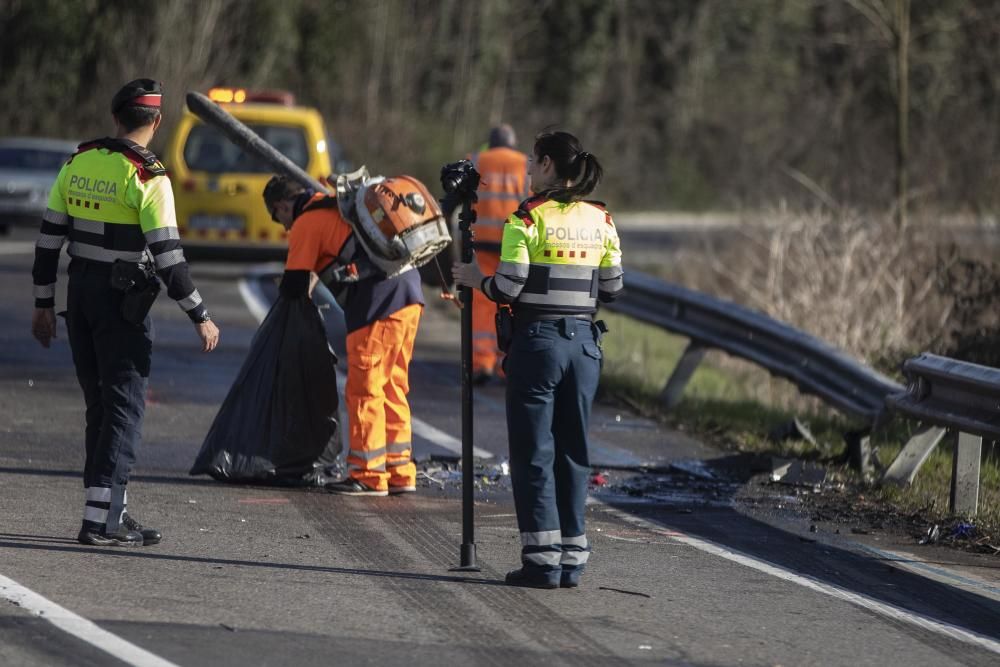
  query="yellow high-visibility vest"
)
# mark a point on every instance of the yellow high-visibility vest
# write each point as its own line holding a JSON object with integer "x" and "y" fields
{"x": 558, "y": 258}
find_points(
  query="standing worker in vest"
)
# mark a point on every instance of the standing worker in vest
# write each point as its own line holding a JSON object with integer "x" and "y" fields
{"x": 560, "y": 256}
{"x": 381, "y": 315}
{"x": 502, "y": 186}
{"x": 113, "y": 201}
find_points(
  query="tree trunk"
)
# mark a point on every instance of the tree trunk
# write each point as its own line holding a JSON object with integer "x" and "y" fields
{"x": 902, "y": 108}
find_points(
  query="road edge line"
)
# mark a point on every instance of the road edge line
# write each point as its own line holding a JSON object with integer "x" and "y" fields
{"x": 78, "y": 626}
{"x": 881, "y": 608}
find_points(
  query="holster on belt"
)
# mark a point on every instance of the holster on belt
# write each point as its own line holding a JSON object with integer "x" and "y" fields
{"x": 505, "y": 327}
{"x": 602, "y": 328}
{"x": 141, "y": 286}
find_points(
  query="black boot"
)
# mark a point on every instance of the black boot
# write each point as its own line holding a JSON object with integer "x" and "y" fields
{"x": 531, "y": 579}
{"x": 97, "y": 534}
{"x": 149, "y": 535}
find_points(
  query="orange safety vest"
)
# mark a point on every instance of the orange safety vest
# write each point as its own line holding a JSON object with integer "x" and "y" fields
{"x": 503, "y": 185}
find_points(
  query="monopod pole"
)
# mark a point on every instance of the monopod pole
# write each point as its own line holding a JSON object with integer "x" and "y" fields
{"x": 466, "y": 218}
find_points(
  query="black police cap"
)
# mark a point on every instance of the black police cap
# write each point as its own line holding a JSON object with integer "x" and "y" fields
{"x": 141, "y": 92}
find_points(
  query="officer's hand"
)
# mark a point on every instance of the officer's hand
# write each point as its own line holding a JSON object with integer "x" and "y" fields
{"x": 467, "y": 275}
{"x": 43, "y": 325}
{"x": 209, "y": 334}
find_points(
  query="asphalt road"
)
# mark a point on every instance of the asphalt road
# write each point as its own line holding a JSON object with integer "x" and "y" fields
{"x": 278, "y": 576}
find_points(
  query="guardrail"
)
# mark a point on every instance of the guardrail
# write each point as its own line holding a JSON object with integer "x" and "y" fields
{"x": 948, "y": 395}
{"x": 814, "y": 366}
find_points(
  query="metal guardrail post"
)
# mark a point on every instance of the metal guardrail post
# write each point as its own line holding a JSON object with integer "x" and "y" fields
{"x": 859, "y": 450}
{"x": 965, "y": 474}
{"x": 906, "y": 464}
{"x": 686, "y": 366}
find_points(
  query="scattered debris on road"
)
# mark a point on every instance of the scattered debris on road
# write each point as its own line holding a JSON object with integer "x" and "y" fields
{"x": 622, "y": 590}
{"x": 446, "y": 472}
{"x": 792, "y": 430}
{"x": 798, "y": 473}
{"x": 933, "y": 533}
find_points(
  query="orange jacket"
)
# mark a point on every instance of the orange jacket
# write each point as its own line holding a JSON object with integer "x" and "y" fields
{"x": 315, "y": 241}
{"x": 503, "y": 186}
{"x": 316, "y": 238}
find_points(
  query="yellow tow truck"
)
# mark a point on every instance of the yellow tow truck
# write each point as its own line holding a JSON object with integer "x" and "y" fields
{"x": 217, "y": 186}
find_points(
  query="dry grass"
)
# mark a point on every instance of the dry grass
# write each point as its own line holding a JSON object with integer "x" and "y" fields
{"x": 854, "y": 281}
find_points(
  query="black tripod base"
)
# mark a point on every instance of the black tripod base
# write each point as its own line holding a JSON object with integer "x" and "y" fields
{"x": 468, "y": 559}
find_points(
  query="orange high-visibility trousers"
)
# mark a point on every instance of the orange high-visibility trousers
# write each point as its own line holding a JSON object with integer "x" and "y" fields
{"x": 378, "y": 362}
{"x": 485, "y": 353}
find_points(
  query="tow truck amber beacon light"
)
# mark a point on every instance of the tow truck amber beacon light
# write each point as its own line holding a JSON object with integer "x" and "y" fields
{"x": 242, "y": 96}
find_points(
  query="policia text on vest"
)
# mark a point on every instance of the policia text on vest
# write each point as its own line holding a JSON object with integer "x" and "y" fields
{"x": 113, "y": 203}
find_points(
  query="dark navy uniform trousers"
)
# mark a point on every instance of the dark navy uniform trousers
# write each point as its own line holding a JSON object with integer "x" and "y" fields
{"x": 553, "y": 368}
{"x": 112, "y": 359}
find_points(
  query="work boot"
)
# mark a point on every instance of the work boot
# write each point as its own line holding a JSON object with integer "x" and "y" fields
{"x": 530, "y": 579}
{"x": 96, "y": 534}
{"x": 352, "y": 487}
{"x": 149, "y": 535}
{"x": 569, "y": 578}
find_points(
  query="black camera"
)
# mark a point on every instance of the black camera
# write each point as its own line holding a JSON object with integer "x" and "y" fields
{"x": 460, "y": 179}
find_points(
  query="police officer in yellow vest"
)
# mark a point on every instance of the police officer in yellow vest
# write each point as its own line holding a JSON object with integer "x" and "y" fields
{"x": 559, "y": 256}
{"x": 112, "y": 201}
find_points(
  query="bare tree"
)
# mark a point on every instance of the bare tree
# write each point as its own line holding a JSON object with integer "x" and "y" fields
{"x": 892, "y": 20}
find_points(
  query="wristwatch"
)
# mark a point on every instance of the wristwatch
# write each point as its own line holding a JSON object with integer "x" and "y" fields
{"x": 204, "y": 317}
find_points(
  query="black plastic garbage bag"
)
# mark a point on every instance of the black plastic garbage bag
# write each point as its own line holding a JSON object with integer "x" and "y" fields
{"x": 278, "y": 424}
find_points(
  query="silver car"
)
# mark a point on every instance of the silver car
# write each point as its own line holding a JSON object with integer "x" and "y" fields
{"x": 28, "y": 167}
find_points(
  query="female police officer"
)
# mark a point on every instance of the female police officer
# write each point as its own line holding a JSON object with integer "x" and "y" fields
{"x": 559, "y": 256}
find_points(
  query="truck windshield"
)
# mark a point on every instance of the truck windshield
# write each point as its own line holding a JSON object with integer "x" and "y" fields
{"x": 207, "y": 149}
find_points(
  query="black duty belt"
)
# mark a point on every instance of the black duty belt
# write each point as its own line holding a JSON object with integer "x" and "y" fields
{"x": 524, "y": 319}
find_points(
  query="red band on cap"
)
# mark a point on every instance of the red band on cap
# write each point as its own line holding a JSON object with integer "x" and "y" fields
{"x": 146, "y": 100}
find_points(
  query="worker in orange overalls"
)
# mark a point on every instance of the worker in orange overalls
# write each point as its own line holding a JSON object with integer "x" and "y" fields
{"x": 381, "y": 314}
{"x": 503, "y": 185}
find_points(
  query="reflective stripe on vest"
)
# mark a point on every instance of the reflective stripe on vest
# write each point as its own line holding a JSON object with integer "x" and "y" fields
{"x": 503, "y": 184}
{"x": 98, "y": 254}
{"x": 560, "y": 285}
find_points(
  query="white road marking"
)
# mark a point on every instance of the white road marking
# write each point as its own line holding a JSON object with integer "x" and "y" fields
{"x": 881, "y": 608}
{"x": 911, "y": 562}
{"x": 17, "y": 247}
{"x": 78, "y": 626}
{"x": 442, "y": 439}
{"x": 259, "y": 306}
{"x": 253, "y": 297}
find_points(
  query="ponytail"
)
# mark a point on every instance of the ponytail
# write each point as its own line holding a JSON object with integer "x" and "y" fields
{"x": 572, "y": 164}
